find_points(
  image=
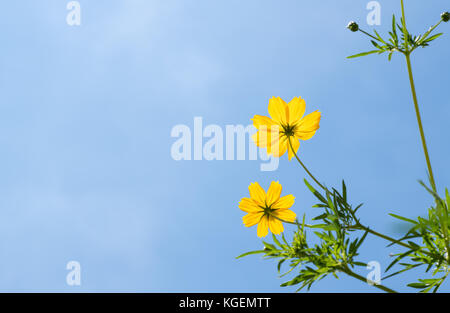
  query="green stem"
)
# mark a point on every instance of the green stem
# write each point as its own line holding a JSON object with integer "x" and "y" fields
{"x": 375, "y": 233}
{"x": 371, "y": 36}
{"x": 394, "y": 241}
{"x": 304, "y": 167}
{"x": 359, "y": 226}
{"x": 288, "y": 222}
{"x": 419, "y": 122}
{"x": 349, "y": 272}
{"x": 416, "y": 103}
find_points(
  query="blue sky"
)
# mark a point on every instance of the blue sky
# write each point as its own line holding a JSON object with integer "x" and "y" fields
{"x": 86, "y": 114}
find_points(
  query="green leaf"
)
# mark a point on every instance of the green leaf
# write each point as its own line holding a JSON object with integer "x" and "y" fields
{"x": 295, "y": 281}
{"x": 326, "y": 227}
{"x": 418, "y": 285}
{"x": 279, "y": 264}
{"x": 414, "y": 245}
{"x": 277, "y": 241}
{"x": 379, "y": 37}
{"x": 403, "y": 218}
{"x": 320, "y": 217}
{"x": 363, "y": 54}
{"x": 447, "y": 197}
{"x": 269, "y": 246}
{"x": 315, "y": 192}
{"x": 394, "y": 29}
{"x": 344, "y": 191}
{"x": 430, "y": 39}
{"x": 407, "y": 268}
{"x": 390, "y": 56}
{"x": 401, "y": 256}
{"x": 375, "y": 44}
{"x": 284, "y": 239}
{"x": 250, "y": 253}
{"x": 361, "y": 241}
{"x": 360, "y": 264}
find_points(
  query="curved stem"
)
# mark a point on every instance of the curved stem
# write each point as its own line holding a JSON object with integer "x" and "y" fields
{"x": 349, "y": 272}
{"x": 395, "y": 241}
{"x": 303, "y": 165}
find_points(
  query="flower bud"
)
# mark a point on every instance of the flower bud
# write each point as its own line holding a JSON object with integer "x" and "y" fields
{"x": 353, "y": 26}
{"x": 445, "y": 16}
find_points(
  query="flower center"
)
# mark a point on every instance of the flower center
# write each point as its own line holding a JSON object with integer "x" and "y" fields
{"x": 288, "y": 130}
{"x": 267, "y": 210}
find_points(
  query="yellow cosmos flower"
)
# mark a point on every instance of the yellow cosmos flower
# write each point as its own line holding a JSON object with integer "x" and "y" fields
{"x": 267, "y": 209}
{"x": 287, "y": 122}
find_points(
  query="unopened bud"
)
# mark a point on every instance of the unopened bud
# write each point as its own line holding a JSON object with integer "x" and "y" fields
{"x": 353, "y": 26}
{"x": 445, "y": 16}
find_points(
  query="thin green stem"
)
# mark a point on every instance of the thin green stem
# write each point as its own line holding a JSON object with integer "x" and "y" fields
{"x": 394, "y": 241}
{"x": 375, "y": 233}
{"x": 349, "y": 272}
{"x": 371, "y": 36}
{"x": 304, "y": 167}
{"x": 292, "y": 223}
{"x": 416, "y": 103}
{"x": 419, "y": 122}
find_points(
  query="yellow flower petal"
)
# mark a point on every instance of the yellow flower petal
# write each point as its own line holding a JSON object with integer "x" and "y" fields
{"x": 308, "y": 126}
{"x": 259, "y": 120}
{"x": 297, "y": 108}
{"x": 278, "y": 110}
{"x": 266, "y": 137}
{"x": 285, "y": 215}
{"x": 248, "y": 205}
{"x": 260, "y": 139}
{"x": 257, "y": 193}
{"x": 276, "y": 227}
{"x": 278, "y": 147}
{"x": 263, "y": 227}
{"x": 252, "y": 219}
{"x": 284, "y": 202}
{"x": 274, "y": 193}
{"x": 295, "y": 145}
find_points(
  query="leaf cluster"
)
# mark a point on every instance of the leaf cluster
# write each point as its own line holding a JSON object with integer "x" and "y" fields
{"x": 338, "y": 239}
{"x": 335, "y": 252}
{"x": 399, "y": 40}
{"x": 431, "y": 246}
